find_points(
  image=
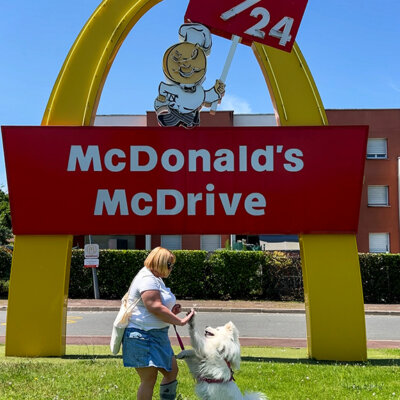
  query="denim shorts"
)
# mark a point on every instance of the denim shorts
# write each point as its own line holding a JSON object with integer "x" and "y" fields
{"x": 147, "y": 348}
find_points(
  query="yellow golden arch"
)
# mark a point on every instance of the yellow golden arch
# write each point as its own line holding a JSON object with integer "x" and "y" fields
{"x": 41, "y": 264}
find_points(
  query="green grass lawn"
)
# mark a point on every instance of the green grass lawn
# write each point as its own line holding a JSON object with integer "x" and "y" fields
{"x": 90, "y": 372}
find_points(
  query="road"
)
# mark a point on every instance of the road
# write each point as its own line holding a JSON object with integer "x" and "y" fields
{"x": 259, "y": 325}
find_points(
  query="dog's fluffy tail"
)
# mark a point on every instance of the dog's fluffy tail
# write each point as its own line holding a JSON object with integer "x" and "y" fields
{"x": 255, "y": 396}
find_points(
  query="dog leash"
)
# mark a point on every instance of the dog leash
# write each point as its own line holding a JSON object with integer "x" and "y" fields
{"x": 179, "y": 339}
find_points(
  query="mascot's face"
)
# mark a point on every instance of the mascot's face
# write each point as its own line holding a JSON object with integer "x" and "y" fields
{"x": 185, "y": 63}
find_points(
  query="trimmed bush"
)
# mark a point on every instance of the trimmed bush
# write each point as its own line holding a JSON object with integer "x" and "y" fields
{"x": 227, "y": 274}
{"x": 5, "y": 263}
{"x": 5, "y": 270}
{"x": 380, "y": 275}
{"x": 4, "y": 289}
{"x": 189, "y": 277}
{"x": 283, "y": 277}
{"x": 223, "y": 274}
{"x": 115, "y": 273}
{"x": 117, "y": 268}
{"x": 235, "y": 275}
{"x": 80, "y": 281}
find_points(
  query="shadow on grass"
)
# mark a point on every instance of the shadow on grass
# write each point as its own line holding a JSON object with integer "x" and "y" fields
{"x": 90, "y": 357}
{"x": 384, "y": 362}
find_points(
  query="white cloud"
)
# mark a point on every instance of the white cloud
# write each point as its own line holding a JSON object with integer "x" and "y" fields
{"x": 238, "y": 105}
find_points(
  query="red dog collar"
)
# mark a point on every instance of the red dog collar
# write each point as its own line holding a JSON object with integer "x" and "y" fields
{"x": 209, "y": 380}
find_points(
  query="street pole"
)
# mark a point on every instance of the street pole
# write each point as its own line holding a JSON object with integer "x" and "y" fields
{"x": 95, "y": 280}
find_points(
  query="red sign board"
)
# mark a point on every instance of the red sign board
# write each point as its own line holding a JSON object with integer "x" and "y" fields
{"x": 123, "y": 180}
{"x": 274, "y": 23}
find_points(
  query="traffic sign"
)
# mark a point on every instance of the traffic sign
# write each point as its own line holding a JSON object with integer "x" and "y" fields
{"x": 92, "y": 250}
{"x": 91, "y": 263}
{"x": 274, "y": 23}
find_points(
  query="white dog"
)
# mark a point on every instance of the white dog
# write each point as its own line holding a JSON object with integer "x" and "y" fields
{"x": 212, "y": 361}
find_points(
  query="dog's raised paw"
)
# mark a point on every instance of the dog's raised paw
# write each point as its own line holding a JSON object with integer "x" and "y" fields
{"x": 185, "y": 354}
{"x": 182, "y": 355}
{"x": 191, "y": 321}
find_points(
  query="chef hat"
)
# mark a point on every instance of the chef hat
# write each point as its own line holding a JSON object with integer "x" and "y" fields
{"x": 196, "y": 34}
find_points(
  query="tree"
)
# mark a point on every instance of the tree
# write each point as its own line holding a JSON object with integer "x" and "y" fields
{"x": 5, "y": 218}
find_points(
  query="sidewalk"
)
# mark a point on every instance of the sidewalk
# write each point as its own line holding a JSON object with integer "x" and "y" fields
{"x": 229, "y": 306}
{"x": 221, "y": 306}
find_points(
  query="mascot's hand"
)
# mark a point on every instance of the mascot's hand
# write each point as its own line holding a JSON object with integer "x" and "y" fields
{"x": 219, "y": 87}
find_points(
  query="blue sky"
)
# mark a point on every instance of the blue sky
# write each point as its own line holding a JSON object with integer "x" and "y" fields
{"x": 351, "y": 46}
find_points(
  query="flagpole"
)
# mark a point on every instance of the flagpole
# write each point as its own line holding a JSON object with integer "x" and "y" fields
{"x": 228, "y": 62}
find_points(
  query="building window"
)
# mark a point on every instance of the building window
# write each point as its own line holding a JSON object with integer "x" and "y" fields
{"x": 378, "y": 196}
{"x": 377, "y": 148}
{"x": 210, "y": 242}
{"x": 122, "y": 242}
{"x": 171, "y": 242}
{"x": 379, "y": 243}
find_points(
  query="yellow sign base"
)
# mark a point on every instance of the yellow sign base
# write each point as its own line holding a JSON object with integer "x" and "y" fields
{"x": 37, "y": 302}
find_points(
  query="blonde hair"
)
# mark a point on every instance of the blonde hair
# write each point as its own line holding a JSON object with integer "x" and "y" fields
{"x": 157, "y": 260}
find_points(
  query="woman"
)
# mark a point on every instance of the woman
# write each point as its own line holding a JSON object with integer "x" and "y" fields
{"x": 146, "y": 345}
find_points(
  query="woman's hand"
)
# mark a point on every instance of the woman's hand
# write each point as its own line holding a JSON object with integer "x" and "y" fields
{"x": 177, "y": 308}
{"x": 188, "y": 317}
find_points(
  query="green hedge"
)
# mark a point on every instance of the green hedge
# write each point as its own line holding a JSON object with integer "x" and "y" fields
{"x": 229, "y": 276}
{"x": 283, "y": 277}
{"x": 224, "y": 274}
{"x": 5, "y": 263}
{"x": 189, "y": 277}
{"x": 5, "y": 268}
{"x": 118, "y": 267}
{"x": 380, "y": 274}
{"x": 197, "y": 274}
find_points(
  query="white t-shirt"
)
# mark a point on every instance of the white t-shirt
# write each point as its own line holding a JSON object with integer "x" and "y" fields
{"x": 186, "y": 101}
{"x": 142, "y": 318}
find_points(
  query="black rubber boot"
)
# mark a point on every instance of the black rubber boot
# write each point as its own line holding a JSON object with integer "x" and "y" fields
{"x": 168, "y": 391}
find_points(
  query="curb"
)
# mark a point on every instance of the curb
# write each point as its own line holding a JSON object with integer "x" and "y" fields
{"x": 236, "y": 310}
{"x": 202, "y": 309}
{"x": 377, "y": 312}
